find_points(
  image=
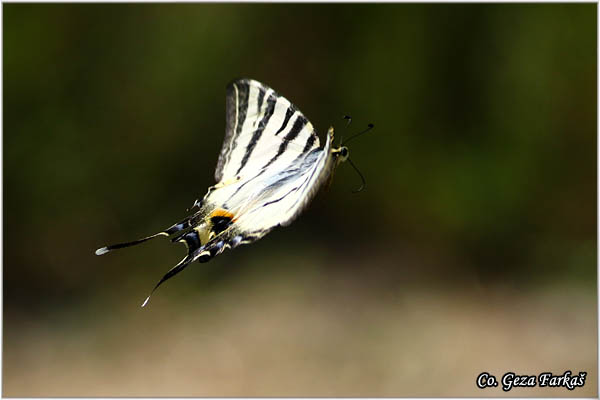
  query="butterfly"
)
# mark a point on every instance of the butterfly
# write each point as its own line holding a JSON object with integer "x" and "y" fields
{"x": 270, "y": 167}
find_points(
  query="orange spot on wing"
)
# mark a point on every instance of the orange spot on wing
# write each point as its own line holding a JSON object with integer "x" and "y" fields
{"x": 219, "y": 212}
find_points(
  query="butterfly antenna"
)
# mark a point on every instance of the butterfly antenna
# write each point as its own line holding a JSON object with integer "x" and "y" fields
{"x": 349, "y": 119}
{"x": 370, "y": 126}
{"x": 362, "y": 178}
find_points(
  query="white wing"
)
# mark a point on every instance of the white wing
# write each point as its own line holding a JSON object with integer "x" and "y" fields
{"x": 263, "y": 130}
{"x": 274, "y": 196}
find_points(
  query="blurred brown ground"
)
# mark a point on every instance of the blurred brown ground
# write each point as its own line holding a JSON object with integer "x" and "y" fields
{"x": 303, "y": 334}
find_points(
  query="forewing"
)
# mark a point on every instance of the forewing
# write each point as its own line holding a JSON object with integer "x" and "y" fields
{"x": 262, "y": 130}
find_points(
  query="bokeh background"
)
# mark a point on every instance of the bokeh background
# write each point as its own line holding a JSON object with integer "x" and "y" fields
{"x": 472, "y": 248}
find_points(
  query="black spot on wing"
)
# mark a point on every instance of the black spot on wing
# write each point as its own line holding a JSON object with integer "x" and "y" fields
{"x": 178, "y": 227}
{"x": 204, "y": 257}
{"x": 192, "y": 240}
{"x": 220, "y": 223}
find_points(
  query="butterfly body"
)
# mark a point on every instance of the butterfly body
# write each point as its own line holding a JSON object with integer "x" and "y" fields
{"x": 270, "y": 167}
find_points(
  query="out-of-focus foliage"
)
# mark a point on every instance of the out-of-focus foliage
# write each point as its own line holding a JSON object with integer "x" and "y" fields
{"x": 481, "y": 169}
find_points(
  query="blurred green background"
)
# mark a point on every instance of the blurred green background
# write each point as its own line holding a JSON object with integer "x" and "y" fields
{"x": 473, "y": 247}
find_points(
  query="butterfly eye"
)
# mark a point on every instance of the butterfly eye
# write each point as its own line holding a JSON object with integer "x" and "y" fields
{"x": 344, "y": 152}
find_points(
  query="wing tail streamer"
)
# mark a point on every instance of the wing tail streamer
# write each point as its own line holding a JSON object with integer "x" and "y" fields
{"x": 171, "y": 273}
{"x": 180, "y": 226}
{"x": 106, "y": 249}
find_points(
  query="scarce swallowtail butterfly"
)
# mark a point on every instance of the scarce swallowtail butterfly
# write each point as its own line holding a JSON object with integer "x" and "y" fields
{"x": 270, "y": 167}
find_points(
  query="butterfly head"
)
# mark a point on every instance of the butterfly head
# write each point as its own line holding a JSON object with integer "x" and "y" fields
{"x": 344, "y": 153}
{"x": 341, "y": 153}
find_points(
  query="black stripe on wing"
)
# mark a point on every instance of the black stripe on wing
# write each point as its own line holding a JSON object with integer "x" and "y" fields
{"x": 299, "y": 124}
{"x": 259, "y": 131}
{"x": 242, "y": 105}
{"x": 309, "y": 144}
{"x": 241, "y": 96}
{"x": 236, "y": 109}
{"x": 259, "y": 102}
{"x": 288, "y": 114}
